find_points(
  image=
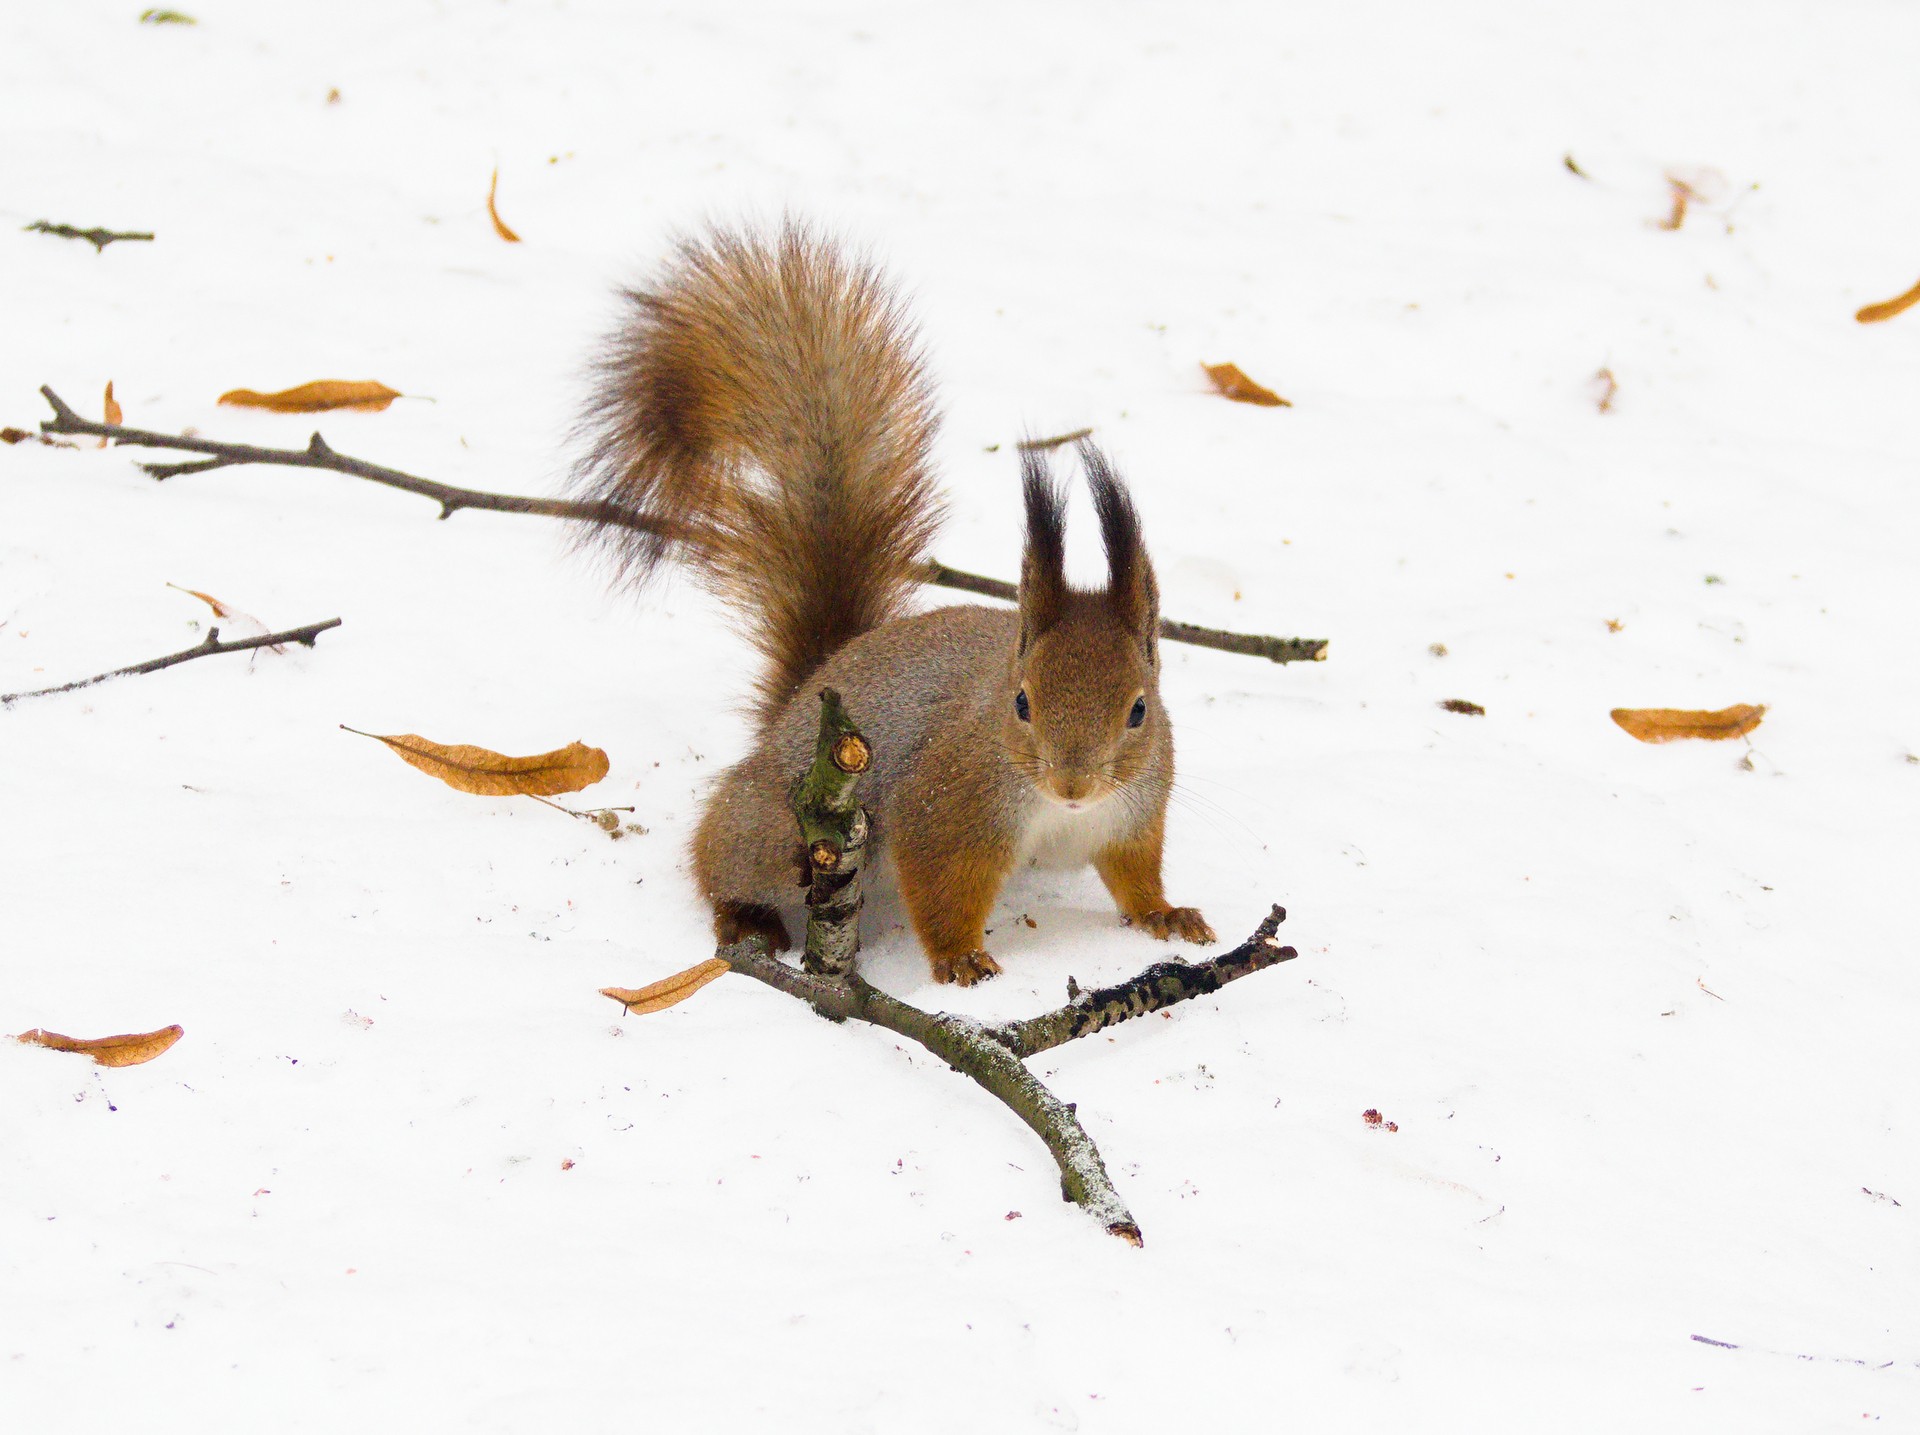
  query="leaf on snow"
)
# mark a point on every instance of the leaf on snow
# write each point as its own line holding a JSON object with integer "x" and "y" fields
{"x": 127, "y": 1050}
{"x": 487, "y": 773}
{"x": 317, "y": 397}
{"x": 1668, "y": 724}
{"x": 1228, "y": 379}
{"x": 112, "y": 410}
{"x": 241, "y": 624}
{"x": 499, "y": 224}
{"x": 670, "y": 991}
{"x": 1876, "y": 313}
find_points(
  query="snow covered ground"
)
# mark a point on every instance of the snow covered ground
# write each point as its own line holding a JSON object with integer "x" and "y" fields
{"x": 1644, "y": 1018}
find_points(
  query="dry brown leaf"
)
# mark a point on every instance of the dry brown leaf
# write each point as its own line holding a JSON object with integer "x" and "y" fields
{"x": 1242, "y": 390}
{"x": 1669, "y": 724}
{"x": 317, "y": 397}
{"x": 220, "y": 610}
{"x": 112, "y": 410}
{"x": 671, "y": 991}
{"x": 128, "y": 1050}
{"x": 490, "y": 774}
{"x": 499, "y": 224}
{"x": 1875, "y": 313}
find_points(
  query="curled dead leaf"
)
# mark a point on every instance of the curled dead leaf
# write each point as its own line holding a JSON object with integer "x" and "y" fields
{"x": 111, "y": 409}
{"x": 1876, "y": 313}
{"x": 317, "y": 397}
{"x": 670, "y": 991}
{"x": 487, "y": 773}
{"x": 1228, "y": 379}
{"x": 1670, "y": 724}
{"x": 127, "y": 1050}
{"x": 493, "y": 213}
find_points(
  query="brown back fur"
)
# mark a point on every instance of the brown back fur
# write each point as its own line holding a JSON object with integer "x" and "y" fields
{"x": 764, "y": 401}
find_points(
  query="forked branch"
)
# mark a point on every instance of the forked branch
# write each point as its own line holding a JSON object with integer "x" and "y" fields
{"x": 317, "y": 454}
{"x": 207, "y": 647}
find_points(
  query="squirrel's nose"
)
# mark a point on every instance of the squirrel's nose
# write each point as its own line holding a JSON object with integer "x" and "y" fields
{"x": 1072, "y": 786}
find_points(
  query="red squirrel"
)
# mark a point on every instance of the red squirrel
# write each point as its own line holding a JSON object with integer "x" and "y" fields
{"x": 764, "y": 406}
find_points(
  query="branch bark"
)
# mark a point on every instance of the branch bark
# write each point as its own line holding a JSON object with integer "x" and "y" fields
{"x": 833, "y": 833}
{"x": 318, "y": 455}
{"x": 98, "y": 238}
{"x": 206, "y": 648}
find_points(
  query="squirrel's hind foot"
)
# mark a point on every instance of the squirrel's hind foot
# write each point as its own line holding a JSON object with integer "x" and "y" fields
{"x": 965, "y": 969}
{"x": 733, "y": 921}
{"x": 1167, "y": 923}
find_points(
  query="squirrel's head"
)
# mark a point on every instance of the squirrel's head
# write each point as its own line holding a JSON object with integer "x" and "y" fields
{"x": 1084, "y": 719}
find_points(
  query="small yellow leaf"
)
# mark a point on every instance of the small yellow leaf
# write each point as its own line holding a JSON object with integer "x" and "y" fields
{"x": 1228, "y": 379}
{"x": 1876, "y": 313}
{"x": 1669, "y": 724}
{"x": 317, "y": 397}
{"x": 129, "y": 1050}
{"x": 671, "y": 991}
{"x": 499, "y": 224}
{"x": 487, "y": 773}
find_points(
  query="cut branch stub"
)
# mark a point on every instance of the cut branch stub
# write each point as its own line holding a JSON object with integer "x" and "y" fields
{"x": 833, "y": 829}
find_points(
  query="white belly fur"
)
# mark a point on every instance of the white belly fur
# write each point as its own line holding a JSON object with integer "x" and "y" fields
{"x": 1058, "y": 837}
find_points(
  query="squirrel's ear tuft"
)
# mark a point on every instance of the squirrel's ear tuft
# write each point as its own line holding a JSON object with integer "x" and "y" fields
{"x": 1043, "y": 571}
{"x": 1131, "y": 590}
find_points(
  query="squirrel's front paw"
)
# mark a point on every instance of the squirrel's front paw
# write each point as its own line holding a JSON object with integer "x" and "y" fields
{"x": 1167, "y": 923}
{"x": 733, "y": 921}
{"x": 966, "y": 969}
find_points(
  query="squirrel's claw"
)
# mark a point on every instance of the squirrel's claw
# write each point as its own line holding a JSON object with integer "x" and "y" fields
{"x": 1167, "y": 923}
{"x": 965, "y": 969}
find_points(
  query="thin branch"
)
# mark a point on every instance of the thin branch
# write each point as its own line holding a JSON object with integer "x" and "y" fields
{"x": 98, "y": 238}
{"x": 1796, "y": 1355}
{"x": 319, "y": 456}
{"x": 1161, "y": 985}
{"x": 969, "y": 1048}
{"x": 206, "y": 648}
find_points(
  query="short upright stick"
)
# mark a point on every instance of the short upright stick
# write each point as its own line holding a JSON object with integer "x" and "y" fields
{"x": 833, "y": 831}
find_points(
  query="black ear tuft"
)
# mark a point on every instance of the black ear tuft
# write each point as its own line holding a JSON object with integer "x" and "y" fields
{"x": 1043, "y": 571}
{"x": 1131, "y": 589}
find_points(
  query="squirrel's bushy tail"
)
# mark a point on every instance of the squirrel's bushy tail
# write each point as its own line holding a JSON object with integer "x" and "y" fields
{"x": 764, "y": 406}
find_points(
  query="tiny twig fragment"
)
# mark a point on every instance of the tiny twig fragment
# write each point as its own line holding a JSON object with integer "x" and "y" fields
{"x": 98, "y": 238}
{"x": 1040, "y": 445}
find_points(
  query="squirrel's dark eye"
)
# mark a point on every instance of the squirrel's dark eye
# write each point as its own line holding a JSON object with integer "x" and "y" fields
{"x": 1139, "y": 713}
{"x": 1021, "y": 707}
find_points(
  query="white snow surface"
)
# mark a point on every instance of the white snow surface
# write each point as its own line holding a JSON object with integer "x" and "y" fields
{"x": 1644, "y": 1017}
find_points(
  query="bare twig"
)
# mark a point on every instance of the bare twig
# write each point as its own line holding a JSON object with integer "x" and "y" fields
{"x": 972, "y": 1050}
{"x": 206, "y": 648}
{"x": 98, "y": 238}
{"x": 318, "y": 455}
{"x": 1253, "y": 645}
{"x": 1161, "y": 985}
{"x": 1795, "y": 1355}
{"x": 1041, "y": 445}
